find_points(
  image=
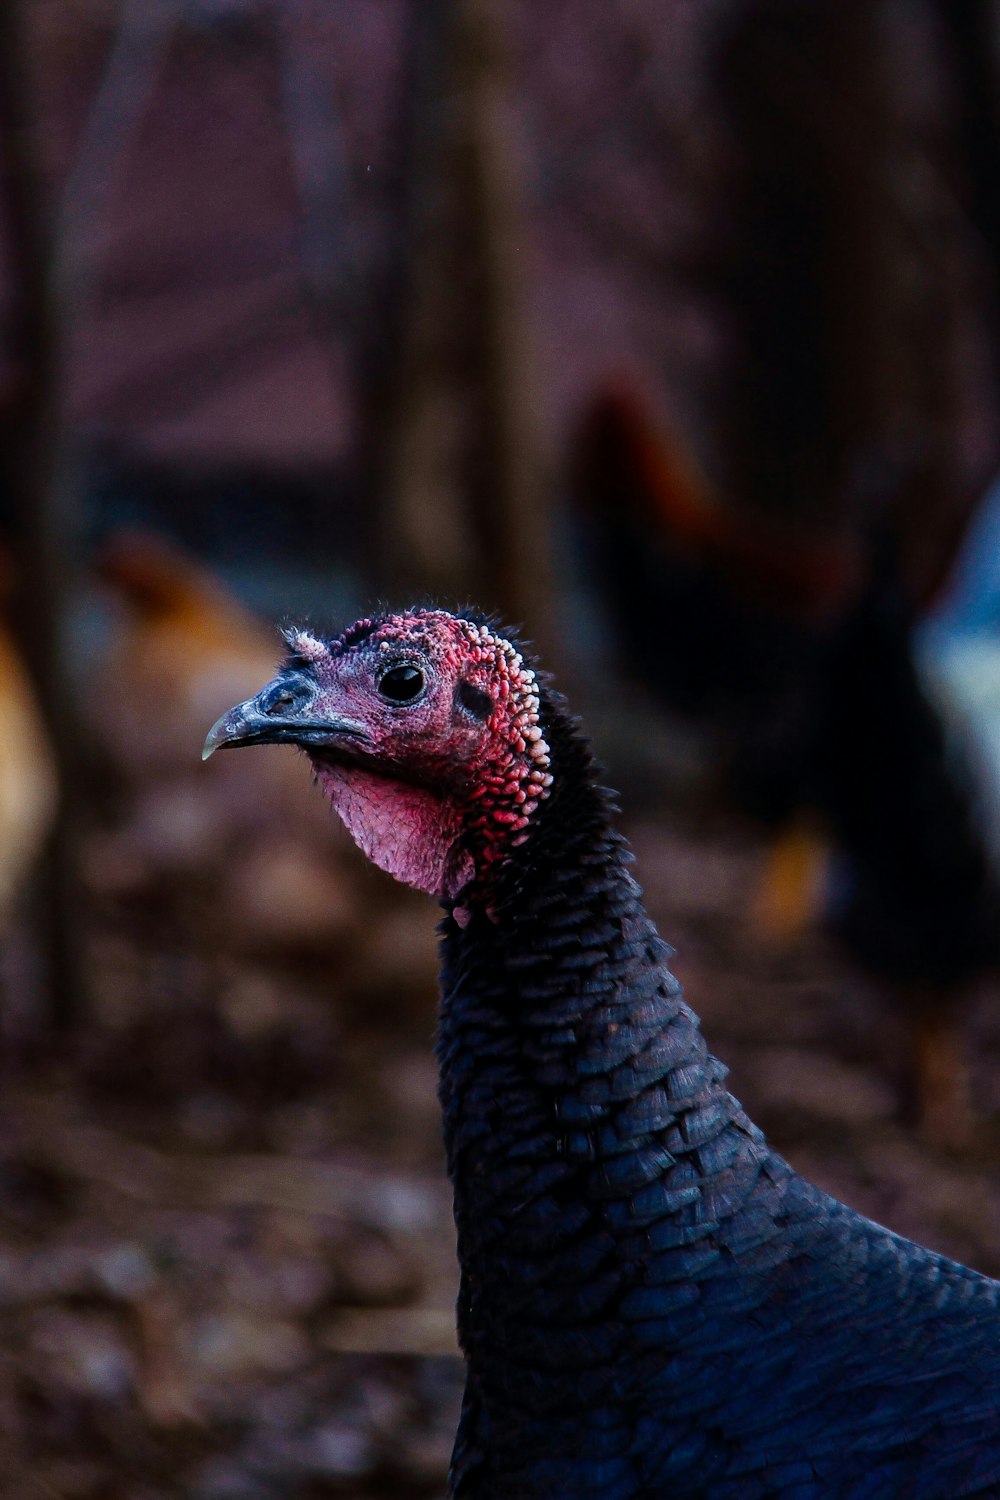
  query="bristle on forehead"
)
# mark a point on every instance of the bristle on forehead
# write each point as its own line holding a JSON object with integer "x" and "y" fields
{"x": 304, "y": 644}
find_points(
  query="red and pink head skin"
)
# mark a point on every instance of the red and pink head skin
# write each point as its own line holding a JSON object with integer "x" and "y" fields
{"x": 423, "y": 728}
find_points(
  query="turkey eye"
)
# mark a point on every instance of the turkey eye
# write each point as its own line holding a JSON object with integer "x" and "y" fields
{"x": 401, "y": 684}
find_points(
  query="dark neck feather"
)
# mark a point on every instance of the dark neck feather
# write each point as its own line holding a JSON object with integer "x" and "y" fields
{"x": 575, "y": 1083}
{"x": 637, "y": 1266}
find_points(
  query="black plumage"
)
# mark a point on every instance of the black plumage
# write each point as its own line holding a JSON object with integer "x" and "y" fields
{"x": 653, "y": 1304}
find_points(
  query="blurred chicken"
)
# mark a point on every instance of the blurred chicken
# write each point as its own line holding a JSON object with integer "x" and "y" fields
{"x": 27, "y": 775}
{"x": 188, "y": 639}
{"x": 795, "y": 653}
{"x": 185, "y": 645}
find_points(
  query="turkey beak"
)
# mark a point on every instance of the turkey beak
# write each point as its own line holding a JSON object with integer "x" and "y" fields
{"x": 282, "y": 713}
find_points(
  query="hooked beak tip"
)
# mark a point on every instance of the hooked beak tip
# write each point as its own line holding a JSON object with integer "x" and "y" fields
{"x": 222, "y": 732}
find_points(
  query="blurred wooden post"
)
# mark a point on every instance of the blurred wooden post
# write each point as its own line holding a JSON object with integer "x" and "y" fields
{"x": 463, "y": 513}
{"x": 973, "y": 27}
{"x": 425, "y": 543}
{"x": 841, "y": 281}
{"x": 390, "y": 376}
{"x": 43, "y": 492}
{"x": 512, "y": 493}
{"x": 807, "y": 275}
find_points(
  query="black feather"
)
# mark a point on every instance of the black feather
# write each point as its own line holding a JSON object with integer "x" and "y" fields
{"x": 653, "y": 1303}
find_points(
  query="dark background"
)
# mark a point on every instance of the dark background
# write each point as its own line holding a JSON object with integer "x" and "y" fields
{"x": 309, "y": 305}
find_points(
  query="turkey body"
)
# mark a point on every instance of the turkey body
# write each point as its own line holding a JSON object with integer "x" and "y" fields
{"x": 653, "y": 1303}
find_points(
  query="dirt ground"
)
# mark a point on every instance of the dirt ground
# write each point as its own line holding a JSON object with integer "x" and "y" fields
{"x": 226, "y": 1256}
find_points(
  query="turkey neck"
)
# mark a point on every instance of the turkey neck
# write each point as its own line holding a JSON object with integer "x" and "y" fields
{"x": 585, "y": 1122}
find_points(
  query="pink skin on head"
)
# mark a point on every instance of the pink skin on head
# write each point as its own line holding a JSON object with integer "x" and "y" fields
{"x": 455, "y": 785}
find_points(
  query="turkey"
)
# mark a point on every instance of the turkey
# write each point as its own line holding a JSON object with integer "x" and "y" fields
{"x": 653, "y": 1303}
